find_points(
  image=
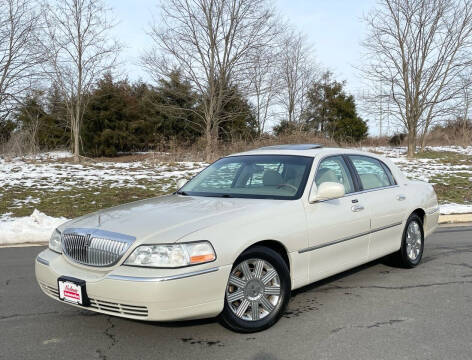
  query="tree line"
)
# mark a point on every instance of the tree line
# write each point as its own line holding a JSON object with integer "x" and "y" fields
{"x": 220, "y": 70}
{"x": 123, "y": 117}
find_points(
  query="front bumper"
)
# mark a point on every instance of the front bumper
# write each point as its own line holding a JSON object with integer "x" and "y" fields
{"x": 431, "y": 221}
{"x": 139, "y": 293}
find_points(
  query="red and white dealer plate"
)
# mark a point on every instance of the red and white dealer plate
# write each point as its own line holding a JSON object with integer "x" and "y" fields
{"x": 68, "y": 291}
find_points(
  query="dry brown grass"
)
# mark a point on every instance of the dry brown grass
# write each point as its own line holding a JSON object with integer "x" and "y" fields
{"x": 195, "y": 152}
{"x": 453, "y": 133}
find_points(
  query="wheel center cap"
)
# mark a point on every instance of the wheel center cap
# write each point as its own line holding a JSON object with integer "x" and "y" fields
{"x": 254, "y": 289}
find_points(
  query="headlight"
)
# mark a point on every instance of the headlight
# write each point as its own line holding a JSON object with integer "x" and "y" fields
{"x": 172, "y": 255}
{"x": 55, "y": 241}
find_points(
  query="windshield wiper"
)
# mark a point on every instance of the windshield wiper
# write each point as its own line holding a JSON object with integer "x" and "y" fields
{"x": 226, "y": 196}
{"x": 181, "y": 193}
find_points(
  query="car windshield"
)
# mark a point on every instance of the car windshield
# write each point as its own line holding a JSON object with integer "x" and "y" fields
{"x": 252, "y": 176}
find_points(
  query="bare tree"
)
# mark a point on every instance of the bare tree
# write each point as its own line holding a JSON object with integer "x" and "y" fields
{"x": 464, "y": 107}
{"x": 20, "y": 21}
{"x": 212, "y": 43}
{"x": 264, "y": 87}
{"x": 79, "y": 50}
{"x": 265, "y": 83}
{"x": 297, "y": 73}
{"x": 416, "y": 49}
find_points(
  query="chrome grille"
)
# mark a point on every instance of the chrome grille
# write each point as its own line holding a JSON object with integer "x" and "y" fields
{"x": 95, "y": 247}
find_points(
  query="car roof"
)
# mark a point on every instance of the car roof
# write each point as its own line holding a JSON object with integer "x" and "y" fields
{"x": 310, "y": 150}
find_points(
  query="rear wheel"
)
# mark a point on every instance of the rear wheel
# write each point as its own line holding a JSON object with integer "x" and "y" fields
{"x": 411, "y": 251}
{"x": 257, "y": 292}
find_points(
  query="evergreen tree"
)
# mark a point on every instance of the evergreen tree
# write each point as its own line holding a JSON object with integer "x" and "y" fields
{"x": 332, "y": 113}
{"x": 42, "y": 112}
{"x": 239, "y": 121}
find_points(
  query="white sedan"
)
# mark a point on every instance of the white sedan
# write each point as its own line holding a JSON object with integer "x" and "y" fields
{"x": 236, "y": 239}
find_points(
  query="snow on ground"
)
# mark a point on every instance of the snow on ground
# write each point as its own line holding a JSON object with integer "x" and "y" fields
{"x": 452, "y": 208}
{"x": 49, "y": 175}
{"x": 425, "y": 169}
{"x": 35, "y": 228}
{"x": 51, "y": 172}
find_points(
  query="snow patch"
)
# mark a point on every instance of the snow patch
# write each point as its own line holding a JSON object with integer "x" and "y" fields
{"x": 425, "y": 169}
{"x": 453, "y": 208}
{"x": 35, "y": 228}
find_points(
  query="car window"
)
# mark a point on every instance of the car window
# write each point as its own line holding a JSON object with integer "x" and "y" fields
{"x": 221, "y": 178}
{"x": 389, "y": 174}
{"x": 334, "y": 169}
{"x": 253, "y": 176}
{"x": 371, "y": 172}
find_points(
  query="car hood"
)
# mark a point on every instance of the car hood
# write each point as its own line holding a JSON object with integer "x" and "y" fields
{"x": 168, "y": 218}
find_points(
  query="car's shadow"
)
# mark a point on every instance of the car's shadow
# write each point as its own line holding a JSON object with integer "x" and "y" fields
{"x": 388, "y": 261}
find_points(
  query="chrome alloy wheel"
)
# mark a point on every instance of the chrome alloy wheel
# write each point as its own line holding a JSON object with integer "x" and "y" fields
{"x": 413, "y": 240}
{"x": 253, "y": 290}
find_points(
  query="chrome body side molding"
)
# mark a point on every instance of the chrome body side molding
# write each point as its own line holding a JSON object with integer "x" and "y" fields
{"x": 316, "y": 247}
{"x": 42, "y": 261}
{"x": 161, "y": 278}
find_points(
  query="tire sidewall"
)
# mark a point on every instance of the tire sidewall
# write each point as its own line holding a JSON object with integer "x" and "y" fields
{"x": 405, "y": 258}
{"x": 230, "y": 319}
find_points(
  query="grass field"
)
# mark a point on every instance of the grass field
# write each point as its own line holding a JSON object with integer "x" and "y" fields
{"x": 56, "y": 186}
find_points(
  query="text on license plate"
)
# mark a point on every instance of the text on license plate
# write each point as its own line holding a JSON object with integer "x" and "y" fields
{"x": 71, "y": 292}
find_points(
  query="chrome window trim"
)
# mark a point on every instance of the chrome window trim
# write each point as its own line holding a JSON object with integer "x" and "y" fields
{"x": 161, "y": 278}
{"x": 316, "y": 247}
{"x": 375, "y": 189}
{"x": 42, "y": 261}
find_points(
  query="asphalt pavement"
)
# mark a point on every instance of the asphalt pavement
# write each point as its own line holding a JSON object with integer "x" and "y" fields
{"x": 376, "y": 311}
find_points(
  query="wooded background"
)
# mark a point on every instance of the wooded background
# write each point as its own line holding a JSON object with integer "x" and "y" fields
{"x": 222, "y": 72}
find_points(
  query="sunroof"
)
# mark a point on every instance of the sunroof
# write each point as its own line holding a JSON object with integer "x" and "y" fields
{"x": 292, "y": 147}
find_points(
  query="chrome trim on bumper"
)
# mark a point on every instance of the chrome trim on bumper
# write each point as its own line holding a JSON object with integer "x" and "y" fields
{"x": 42, "y": 261}
{"x": 316, "y": 247}
{"x": 161, "y": 278}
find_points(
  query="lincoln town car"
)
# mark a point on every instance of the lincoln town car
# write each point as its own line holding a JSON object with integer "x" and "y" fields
{"x": 236, "y": 239}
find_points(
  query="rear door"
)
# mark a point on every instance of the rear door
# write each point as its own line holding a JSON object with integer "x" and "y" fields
{"x": 338, "y": 228}
{"x": 384, "y": 201}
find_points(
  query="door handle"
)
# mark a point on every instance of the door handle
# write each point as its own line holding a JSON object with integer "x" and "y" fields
{"x": 357, "y": 208}
{"x": 401, "y": 197}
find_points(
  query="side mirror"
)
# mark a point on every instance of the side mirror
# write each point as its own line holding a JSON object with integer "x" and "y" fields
{"x": 180, "y": 183}
{"x": 326, "y": 191}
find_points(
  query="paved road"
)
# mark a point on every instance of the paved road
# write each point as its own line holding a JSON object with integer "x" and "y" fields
{"x": 373, "y": 312}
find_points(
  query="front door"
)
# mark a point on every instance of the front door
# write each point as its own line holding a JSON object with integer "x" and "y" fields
{"x": 338, "y": 228}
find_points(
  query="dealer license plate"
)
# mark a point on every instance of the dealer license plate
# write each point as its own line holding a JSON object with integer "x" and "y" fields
{"x": 72, "y": 290}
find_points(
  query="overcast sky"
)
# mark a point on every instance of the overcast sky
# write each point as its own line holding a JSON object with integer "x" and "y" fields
{"x": 333, "y": 27}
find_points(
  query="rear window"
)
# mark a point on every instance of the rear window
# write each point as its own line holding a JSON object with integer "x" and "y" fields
{"x": 371, "y": 172}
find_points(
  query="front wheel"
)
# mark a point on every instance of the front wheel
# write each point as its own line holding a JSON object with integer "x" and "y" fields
{"x": 257, "y": 292}
{"x": 411, "y": 251}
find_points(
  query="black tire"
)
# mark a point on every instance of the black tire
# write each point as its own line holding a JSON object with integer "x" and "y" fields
{"x": 403, "y": 258}
{"x": 229, "y": 319}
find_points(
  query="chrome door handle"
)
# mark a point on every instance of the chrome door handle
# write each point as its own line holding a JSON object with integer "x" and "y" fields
{"x": 401, "y": 197}
{"x": 357, "y": 208}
